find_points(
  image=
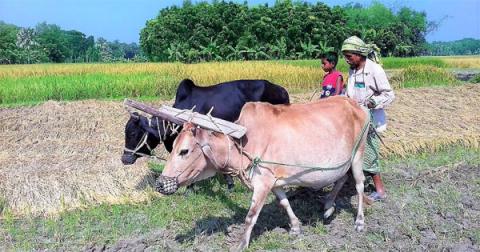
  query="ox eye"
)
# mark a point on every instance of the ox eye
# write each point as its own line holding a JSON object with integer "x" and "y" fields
{"x": 183, "y": 152}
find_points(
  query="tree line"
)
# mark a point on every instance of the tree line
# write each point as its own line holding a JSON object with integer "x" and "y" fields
{"x": 467, "y": 46}
{"x": 49, "y": 43}
{"x": 223, "y": 30}
{"x": 287, "y": 30}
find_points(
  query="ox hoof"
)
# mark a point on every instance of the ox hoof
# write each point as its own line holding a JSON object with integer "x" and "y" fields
{"x": 328, "y": 213}
{"x": 230, "y": 187}
{"x": 359, "y": 227}
{"x": 295, "y": 231}
{"x": 241, "y": 247}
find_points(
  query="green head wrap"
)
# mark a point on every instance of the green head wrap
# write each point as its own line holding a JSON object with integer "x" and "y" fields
{"x": 356, "y": 45}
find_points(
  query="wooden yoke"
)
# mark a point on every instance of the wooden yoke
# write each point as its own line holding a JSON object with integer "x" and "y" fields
{"x": 179, "y": 116}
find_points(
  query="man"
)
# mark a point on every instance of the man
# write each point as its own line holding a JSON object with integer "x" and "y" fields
{"x": 369, "y": 86}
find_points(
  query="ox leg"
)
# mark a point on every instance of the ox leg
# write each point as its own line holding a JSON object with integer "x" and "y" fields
{"x": 283, "y": 201}
{"x": 258, "y": 200}
{"x": 329, "y": 206}
{"x": 357, "y": 170}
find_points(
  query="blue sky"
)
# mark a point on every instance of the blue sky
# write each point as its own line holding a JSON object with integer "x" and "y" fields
{"x": 123, "y": 19}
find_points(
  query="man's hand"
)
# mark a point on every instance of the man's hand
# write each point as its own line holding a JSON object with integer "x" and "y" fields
{"x": 371, "y": 104}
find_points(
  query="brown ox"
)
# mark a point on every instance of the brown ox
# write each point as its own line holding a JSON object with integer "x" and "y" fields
{"x": 320, "y": 134}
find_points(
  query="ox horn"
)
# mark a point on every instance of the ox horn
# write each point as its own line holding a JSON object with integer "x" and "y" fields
{"x": 132, "y": 112}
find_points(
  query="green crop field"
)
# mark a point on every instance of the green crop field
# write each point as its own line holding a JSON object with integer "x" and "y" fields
{"x": 20, "y": 84}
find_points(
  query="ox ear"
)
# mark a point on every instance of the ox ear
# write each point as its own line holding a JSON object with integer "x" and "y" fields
{"x": 135, "y": 116}
{"x": 191, "y": 127}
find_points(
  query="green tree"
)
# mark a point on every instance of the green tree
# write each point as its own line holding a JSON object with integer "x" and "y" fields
{"x": 175, "y": 53}
{"x": 288, "y": 29}
{"x": 211, "y": 51}
{"x": 309, "y": 50}
{"x": 28, "y": 50}
{"x": 104, "y": 50}
{"x": 8, "y": 49}
{"x": 467, "y": 46}
{"x": 279, "y": 49}
{"x": 53, "y": 41}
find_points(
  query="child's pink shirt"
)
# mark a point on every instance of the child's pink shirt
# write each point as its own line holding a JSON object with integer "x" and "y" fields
{"x": 331, "y": 79}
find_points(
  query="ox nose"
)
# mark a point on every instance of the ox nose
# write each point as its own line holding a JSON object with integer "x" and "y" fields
{"x": 128, "y": 159}
{"x": 166, "y": 185}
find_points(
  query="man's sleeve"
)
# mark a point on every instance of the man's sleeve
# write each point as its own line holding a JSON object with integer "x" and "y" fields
{"x": 383, "y": 93}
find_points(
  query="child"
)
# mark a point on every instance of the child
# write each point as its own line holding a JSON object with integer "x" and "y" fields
{"x": 332, "y": 83}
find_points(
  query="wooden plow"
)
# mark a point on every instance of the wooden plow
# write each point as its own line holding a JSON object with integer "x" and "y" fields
{"x": 179, "y": 116}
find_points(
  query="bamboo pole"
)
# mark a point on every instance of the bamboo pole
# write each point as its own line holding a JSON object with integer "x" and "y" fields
{"x": 179, "y": 116}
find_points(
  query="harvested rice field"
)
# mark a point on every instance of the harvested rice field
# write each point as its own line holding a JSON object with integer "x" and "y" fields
{"x": 63, "y": 186}
{"x": 63, "y": 155}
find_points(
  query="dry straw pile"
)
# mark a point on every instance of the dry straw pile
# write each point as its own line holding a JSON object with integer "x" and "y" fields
{"x": 429, "y": 119}
{"x": 59, "y": 156}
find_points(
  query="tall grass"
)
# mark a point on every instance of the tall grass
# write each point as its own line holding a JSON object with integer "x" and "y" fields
{"x": 84, "y": 86}
{"x": 80, "y": 68}
{"x": 422, "y": 76}
{"x": 35, "y": 83}
{"x": 387, "y": 63}
{"x": 462, "y": 61}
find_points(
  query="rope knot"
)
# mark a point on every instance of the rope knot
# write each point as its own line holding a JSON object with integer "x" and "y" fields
{"x": 256, "y": 161}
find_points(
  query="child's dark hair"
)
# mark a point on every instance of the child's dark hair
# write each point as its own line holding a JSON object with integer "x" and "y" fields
{"x": 331, "y": 57}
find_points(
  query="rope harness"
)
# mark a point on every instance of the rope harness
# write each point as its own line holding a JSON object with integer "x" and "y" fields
{"x": 257, "y": 160}
{"x": 143, "y": 141}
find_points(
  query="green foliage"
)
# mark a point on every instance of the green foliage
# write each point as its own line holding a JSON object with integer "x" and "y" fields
{"x": 396, "y": 34}
{"x": 8, "y": 38}
{"x": 475, "y": 79}
{"x": 223, "y": 30}
{"x": 49, "y": 43}
{"x": 467, "y": 46}
{"x": 230, "y": 31}
{"x": 52, "y": 41}
{"x": 156, "y": 167}
{"x": 28, "y": 48}
{"x": 287, "y": 30}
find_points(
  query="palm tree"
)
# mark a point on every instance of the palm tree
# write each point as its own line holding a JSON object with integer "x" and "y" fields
{"x": 174, "y": 53}
{"x": 260, "y": 52}
{"x": 279, "y": 49}
{"x": 211, "y": 51}
{"x": 247, "y": 52}
{"x": 309, "y": 50}
{"x": 323, "y": 47}
{"x": 403, "y": 49}
{"x": 26, "y": 40}
{"x": 235, "y": 53}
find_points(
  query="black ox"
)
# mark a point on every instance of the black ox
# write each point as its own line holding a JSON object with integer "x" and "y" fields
{"x": 143, "y": 135}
